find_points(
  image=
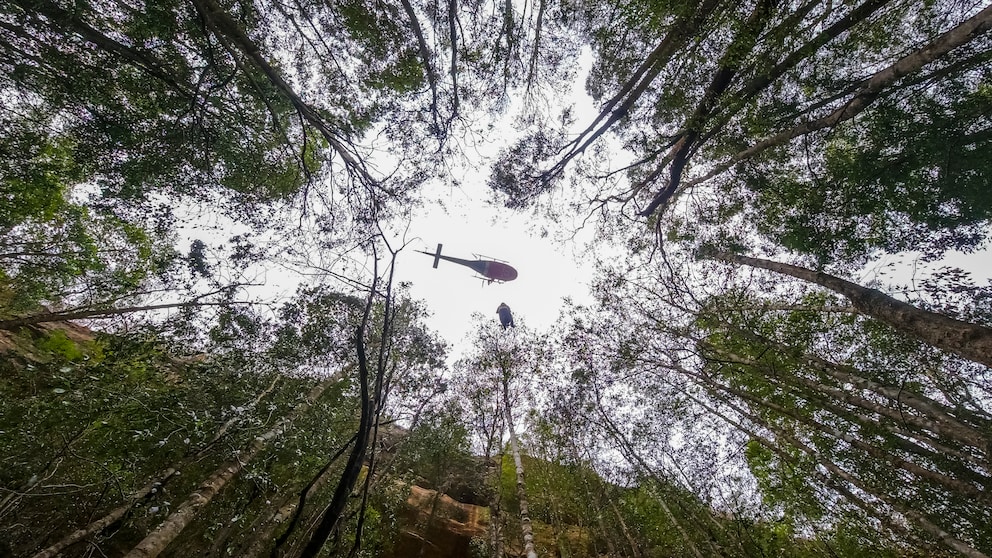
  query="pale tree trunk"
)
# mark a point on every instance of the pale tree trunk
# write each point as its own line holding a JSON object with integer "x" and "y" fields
{"x": 873, "y": 87}
{"x": 620, "y": 105}
{"x": 958, "y": 417}
{"x": 631, "y": 455}
{"x": 960, "y": 487}
{"x": 525, "y": 525}
{"x": 290, "y": 507}
{"x": 965, "y": 339}
{"x": 496, "y": 514}
{"x": 107, "y": 520}
{"x": 635, "y": 549}
{"x": 787, "y": 458}
{"x": 156, "y": 541}
{"x": 921, "y": 521}
{"x": 117, "y": 513}
{"x": 933, "y": 416}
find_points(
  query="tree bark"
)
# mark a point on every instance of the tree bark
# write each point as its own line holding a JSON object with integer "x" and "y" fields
{"x": 155, "y": 542}
{"x": 727, "y": 69}
{"x": 924, "y": 523}
{"x": 969, "y": 436}
{"x": 893, "y": 522}
{"x": 107, "y": 520}
{"x": 960, "y": 487}
{"x": 965, "y": 339}
{"x": 959, "y": 419}
{"x": 623, "y": 101}
{"x": 525, "y": 525}
{"x": 331, "y": 516}
{"x": 977, "y": 25}
{"x": 96, "y": 313}
{"x": 633, "y": 457}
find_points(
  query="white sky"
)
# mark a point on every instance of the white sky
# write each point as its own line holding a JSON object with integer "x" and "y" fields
{"x": 468, "y": 223}
{"x": 548, "y": 270}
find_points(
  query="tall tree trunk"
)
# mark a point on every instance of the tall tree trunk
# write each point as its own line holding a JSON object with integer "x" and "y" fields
{"x": 525, "y": 525}
{"x": 873, "y": 87}
{"x": 959, "y": 417}
{"x": 933, "y": 416}
{"x": 331, "y": 516}
{"x": 921, "y": 521}
{"x": 155, "y": 542}
{"x": 634, "y": 458}
{"x": 107, "y": 520}
{"x": 965, "y": 339}
{"x": 119, "y": 512}
{"x": 727, "y": 69}
{"x": 620, "y": 105}
{"x": 894, "y": 524}
{"x": 496, "y": 513}
{"x": 894, "y": 503}
{"x": 97, "y": 313}
{"x": 960, "y": 487}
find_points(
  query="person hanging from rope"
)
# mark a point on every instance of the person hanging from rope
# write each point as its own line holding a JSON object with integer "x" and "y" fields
{"x": 505, "y": 317}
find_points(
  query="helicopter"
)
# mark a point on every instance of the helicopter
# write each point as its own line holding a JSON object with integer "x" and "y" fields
{"x": 490, "y": 270}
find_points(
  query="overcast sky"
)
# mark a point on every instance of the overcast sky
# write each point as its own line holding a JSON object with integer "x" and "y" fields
{"x": 548, "y": 270}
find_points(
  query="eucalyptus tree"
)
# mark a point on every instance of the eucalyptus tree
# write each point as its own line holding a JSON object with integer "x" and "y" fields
{"x": 895, "y": 440}
{"x": 136, "y": 415}
{"x": 121, "y": 122}
{"x": 759, "y": 110}
{"x": 236, "y": 421}
{"x": 847, "y": 421}
{"x": 502, "y": 364}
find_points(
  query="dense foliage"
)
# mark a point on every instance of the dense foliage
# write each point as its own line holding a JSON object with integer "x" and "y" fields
{"x": 213, "y": 187}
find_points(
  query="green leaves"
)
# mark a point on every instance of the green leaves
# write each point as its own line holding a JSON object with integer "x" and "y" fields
{"x": 908, "y": 176}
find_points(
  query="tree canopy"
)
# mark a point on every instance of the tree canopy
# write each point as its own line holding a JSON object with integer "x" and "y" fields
{"x": 205, "y": 349}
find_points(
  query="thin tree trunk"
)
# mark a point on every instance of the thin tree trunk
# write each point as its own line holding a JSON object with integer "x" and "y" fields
{"x": 887, "y": 521}
{"x": 764, "y": 79}
{"x": 973, "y": 27}
{"x": 107, "y": 520}
{"x": 965, "y": 339}
{"x": 293, "y": 507}
{"x": 222, "y": 431}
{"x": 633, "y": 457}
{"x": 923, "y": 522}
{"x": 97, "y": 313}
{"x": 331, "y": 516}
{"x": 117, "y": 513}
{"x": 952, "y": 484}
{"x": 532, "y": 69}
{"x": 972, "y": 437}
{"x": 453, "y": 37}
{"x": 143, "y": 60}
{"x": 623, "y": 101}
{"x": 224, "y": 26}
{"x": 727, "y": 69}
{"x": 156, "y": 541}
{"x": 936, "y": 417}
{"x": 496, "y": 513}
{"x": 525, "y": 525}
{"x": 958, "y": 418}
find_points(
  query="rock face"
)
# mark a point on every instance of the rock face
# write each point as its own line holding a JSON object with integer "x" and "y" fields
{"x": 437, "y": 526}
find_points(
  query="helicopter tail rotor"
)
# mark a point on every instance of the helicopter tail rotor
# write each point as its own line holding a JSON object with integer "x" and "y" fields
{"x": 437, "y": 255}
